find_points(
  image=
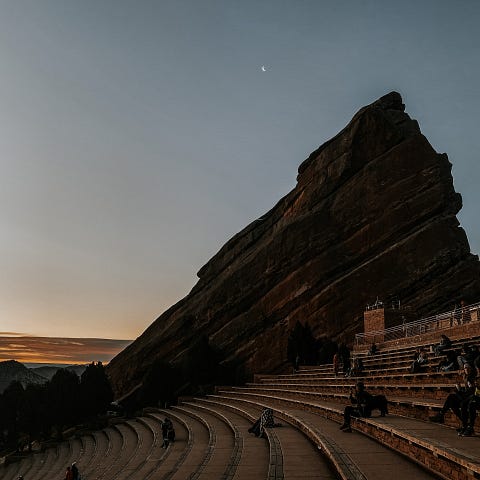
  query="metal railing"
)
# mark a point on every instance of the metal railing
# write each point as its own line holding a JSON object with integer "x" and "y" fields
{"x": 442, "y": 321}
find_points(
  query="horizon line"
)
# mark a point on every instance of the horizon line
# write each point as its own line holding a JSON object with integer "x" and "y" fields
{"x": 60, "y": 350}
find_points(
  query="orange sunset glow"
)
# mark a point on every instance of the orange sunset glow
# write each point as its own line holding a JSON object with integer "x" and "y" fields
{"x": 31, "y": 349}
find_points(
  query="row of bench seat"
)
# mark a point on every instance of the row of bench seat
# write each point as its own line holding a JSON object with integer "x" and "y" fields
{"x": 213, "y": 441}
{"x": 118, "y": 450}
{"x": 413, "y": 398}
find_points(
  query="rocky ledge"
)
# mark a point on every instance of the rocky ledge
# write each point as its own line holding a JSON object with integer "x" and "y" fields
{"x": 373, "y": 214}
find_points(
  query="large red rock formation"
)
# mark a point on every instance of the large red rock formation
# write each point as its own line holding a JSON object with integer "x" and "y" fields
{"x": 373, "y": 214}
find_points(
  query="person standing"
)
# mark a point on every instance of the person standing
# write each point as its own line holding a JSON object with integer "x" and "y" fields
{"x": 69, "y": 474}
{"x": 296, "y": 365}
{"x": 344, "y": 353}
{"x": 75, "y": 472}
{"x": 168, "y": 433}
{"x": 336, "y": 364}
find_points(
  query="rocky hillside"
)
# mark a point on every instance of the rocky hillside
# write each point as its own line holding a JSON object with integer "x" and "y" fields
{"x": 12, "y": 370}
{"x": 373, "y": 214}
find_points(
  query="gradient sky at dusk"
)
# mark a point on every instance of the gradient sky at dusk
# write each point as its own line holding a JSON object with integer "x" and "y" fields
{"x": 136, "y": 137}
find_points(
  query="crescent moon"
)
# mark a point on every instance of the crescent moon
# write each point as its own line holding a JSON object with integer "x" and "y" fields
{"x": 263, "y": 68}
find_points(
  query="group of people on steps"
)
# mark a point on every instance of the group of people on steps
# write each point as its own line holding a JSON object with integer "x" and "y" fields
{"x": 463, "y": 402}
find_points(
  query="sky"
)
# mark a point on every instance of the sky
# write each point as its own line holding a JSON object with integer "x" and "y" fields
{"x": 56, "y": 350}
{"x": 137, "y": 137}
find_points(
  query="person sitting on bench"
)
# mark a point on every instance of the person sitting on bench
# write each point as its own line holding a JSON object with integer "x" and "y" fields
{"x": 361, "y": 406}
{"x": 445, "y": 343}
{"x": 455, "y": 401}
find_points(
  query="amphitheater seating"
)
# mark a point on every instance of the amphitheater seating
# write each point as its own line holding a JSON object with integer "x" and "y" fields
{"x": 213, "y": 442}
{"x": 127, "y": 450}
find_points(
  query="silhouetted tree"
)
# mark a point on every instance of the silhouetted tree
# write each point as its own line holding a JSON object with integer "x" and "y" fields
{"x": 200, "y": 363}
{"x": 34, "y": 420}
{"x": 159, "y": 384}
{"x": 308, "y": 345}
{"x": 63, "y": 394}
{"x": 301, "y": 342}
{"x": 36, "y": 411}
{"x": 327, "y": 350}
{"x": 96, "y": 391}
{"x": 10, "y": 411}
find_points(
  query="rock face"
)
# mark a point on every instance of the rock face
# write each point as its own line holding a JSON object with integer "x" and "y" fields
{"x": 373, "y": 214}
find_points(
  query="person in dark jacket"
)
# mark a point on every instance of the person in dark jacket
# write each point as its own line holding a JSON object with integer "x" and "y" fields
{"x": 373, "y": 349}
{"x": 467, "y": 355}
{"x": 445, "y": 343}
{"x": 469, "y": 412}
{"x": 168, "y": 432}
{"x": 420, "y": 361}
{"x": 75, "y": 472}
{"x": 344, "y": 353}
{"x": 455, "y": 401}
{"x": 448, "y": 363}
{"x": 362, "y": 403}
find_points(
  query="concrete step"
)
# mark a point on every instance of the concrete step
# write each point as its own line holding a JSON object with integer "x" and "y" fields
{"x": 434, "y": 446}
{"x": 222, "y": 448}
{"x": 393, "y": 376}
{"x": 187, "y": 451}
{"x": 88, "y": 451}
{"x": 59, "y": 463}
{"x": 155, "y": 454}
{"x": 43, "y": 461}
{"x": 22, "y": 467}
{"x": 249, "y": 458}
{"x": 109, "y": 442}
{"x": 345, "y": 455}
{"x": 144, "y": 440}
{"x": 165, "y": 462}
{"x": 299, "y": 457}
{"x": 431, "y": 392}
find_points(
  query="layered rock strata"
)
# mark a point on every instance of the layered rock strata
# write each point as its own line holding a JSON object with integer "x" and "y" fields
{"x": 373, "y": 214}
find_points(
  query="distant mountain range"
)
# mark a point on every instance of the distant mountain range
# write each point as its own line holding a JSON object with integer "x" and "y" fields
{"x": 48, "y": 371}
{"x": 12, "y": 370}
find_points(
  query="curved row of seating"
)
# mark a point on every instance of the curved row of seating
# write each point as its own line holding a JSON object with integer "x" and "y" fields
{"x": 412, "y": 399}
{"x": 118, "y": 451}
{"x": 213, "y": 439}
{"x": 285, "y": 453}
{"x": 212, "y": 442}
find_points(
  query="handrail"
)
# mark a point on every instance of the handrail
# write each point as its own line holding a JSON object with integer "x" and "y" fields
{"x": 442, "y": 321}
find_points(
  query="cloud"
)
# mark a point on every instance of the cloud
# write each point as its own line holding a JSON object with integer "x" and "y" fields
{"x": 58, "y": 350}
{"x": 12, "y": 334}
